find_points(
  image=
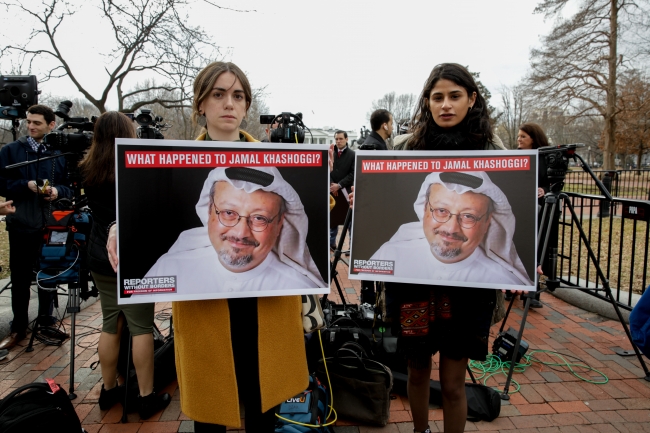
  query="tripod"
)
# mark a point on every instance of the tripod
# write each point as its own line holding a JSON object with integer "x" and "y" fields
{"x": 337, "y": 257}
{"x": 553, "y": 202}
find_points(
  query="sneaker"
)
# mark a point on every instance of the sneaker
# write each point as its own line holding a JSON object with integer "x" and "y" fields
{"x": 108, "y": 398}
{"x": 152, "y": 404}
{"x": 534, "y": 303}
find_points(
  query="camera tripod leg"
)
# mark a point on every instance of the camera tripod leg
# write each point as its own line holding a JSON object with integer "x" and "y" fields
{"x": 30, "y": 346}
{"x": 337, "y": 257}
{"x": 506, "y": 388}
{"x": 606, "y": 287}
{"x": 73, "y": 309}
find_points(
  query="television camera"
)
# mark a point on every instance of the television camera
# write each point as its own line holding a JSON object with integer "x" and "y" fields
{"x": 151, "y": 126}
{"x": 290, "y": 127}
{"x": 17, "y": 94}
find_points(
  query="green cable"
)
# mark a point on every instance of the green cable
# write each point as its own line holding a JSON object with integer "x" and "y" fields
{"x": 493, "y": 366}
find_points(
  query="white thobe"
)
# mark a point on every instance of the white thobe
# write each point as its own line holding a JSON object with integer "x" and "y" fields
{"x": 200, "y": 271}
{"x": 414, "y": 259}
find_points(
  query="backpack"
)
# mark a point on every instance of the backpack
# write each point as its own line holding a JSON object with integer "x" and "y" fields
{"x": 38, "y": 407}
{"x": 309, "y": 407}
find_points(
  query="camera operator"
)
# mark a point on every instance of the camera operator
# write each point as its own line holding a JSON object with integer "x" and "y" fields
{"x": 32, "y": 188}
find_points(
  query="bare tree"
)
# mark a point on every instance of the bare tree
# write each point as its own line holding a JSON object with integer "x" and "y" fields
{"x": 400, "y": 106}
{"x": 633, "y": 131}
{"x": 258, "y": 107}
{"x": 576, "y": 68}
{"x": 149, "y": 36}
{"x": 515, "y": 112}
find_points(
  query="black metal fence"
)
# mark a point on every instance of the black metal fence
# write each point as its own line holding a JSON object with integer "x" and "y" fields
{"x": 630, "y": 184}
{"x": 619, "y": 240}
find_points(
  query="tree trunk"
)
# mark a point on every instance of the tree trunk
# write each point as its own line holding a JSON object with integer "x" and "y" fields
{"x": 610, "y": 113}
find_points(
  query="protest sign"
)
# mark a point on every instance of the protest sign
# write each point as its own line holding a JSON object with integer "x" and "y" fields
{"x": 211, "y": 220}
{"x": 446, "y": 218}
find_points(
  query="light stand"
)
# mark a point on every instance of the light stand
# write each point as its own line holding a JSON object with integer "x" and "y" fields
{"x": 554, "y": 200}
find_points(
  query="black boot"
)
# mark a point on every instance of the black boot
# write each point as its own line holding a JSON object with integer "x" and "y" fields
{"x": 152, "y": 403}
{"x": 108, "y": 398}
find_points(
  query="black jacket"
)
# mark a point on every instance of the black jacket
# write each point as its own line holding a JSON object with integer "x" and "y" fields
{"x": 343, "y": 171}
{"x": 31, "y": 209}
{"x": 101, "y": 201}
{"x": 374, "y": 139}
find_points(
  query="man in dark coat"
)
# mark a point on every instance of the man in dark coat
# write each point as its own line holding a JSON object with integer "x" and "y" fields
{"x": 32, "y": 197}
{"x": 381, "y": 122}
{"x": 341, "y": 178}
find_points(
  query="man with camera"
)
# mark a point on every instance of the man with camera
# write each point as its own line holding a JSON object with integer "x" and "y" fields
{"x": 341, "y": 178}
{"x": 32, "y": 188}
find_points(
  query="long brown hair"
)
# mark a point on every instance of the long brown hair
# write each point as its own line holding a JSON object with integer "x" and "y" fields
{"x": 98, "y": 166}
{"x": 536, "y": 133}
{"x": 205, "y": 80}
{"x": 476, "y": 123}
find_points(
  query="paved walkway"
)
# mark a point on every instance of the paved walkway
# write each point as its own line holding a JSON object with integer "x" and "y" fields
{"x": 550, "y": 400}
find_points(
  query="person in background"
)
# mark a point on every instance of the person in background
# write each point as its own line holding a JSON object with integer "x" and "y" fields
{"x": 98, "y": 169}
{"x": 341, "y": 178}
{"x": 532, "y": 136}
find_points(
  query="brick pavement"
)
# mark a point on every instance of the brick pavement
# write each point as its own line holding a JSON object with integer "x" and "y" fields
{"x": 550, "y": 401}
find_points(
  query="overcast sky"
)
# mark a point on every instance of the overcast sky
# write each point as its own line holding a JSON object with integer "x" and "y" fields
{"x": 330, "y": 59}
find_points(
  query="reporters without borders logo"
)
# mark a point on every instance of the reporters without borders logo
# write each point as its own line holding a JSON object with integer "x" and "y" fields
{"x": 136, "y": 286}
{"x": 385, "y": 267}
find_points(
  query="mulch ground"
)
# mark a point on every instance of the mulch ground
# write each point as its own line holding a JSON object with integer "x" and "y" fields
{"x": 550, "y": 399}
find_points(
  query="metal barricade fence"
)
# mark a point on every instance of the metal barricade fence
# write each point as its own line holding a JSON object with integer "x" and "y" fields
{"x": 630, "y": 184}
{"x": 620, "y": 242}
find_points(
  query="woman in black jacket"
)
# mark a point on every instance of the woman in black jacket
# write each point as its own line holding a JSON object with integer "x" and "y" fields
{"x": 98, "y": 168}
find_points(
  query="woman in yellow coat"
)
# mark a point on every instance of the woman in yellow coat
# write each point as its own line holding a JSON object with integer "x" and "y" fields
{"x": 231, "y": 350}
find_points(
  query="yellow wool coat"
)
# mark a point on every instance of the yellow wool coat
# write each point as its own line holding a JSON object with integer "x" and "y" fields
{"x": 204, "y": 356}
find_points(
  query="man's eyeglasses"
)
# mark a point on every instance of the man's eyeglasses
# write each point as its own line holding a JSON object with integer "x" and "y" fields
{"x": 465, "y": 220}
{"x": 230, "y": 218}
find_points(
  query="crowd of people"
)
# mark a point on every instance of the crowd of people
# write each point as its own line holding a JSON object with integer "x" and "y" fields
{"x": 253, "y": 341}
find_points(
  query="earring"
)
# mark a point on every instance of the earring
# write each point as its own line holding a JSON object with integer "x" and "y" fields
{"x": 470, "y": 108}
{"x": 201, "y": 121}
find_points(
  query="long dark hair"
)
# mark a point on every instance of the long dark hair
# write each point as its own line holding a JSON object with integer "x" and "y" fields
{"x": 476, "y": 123}
{"x": 536, "y": 133}
{"x": 98, "y": 166}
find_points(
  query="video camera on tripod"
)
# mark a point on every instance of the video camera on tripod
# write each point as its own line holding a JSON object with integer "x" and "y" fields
{"x": 290, "y": 127}
{"x": 151, "y": 126}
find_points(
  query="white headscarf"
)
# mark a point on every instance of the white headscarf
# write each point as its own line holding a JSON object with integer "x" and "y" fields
{"x": 290, "y": 246}
{"x": 497, "y": 243}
